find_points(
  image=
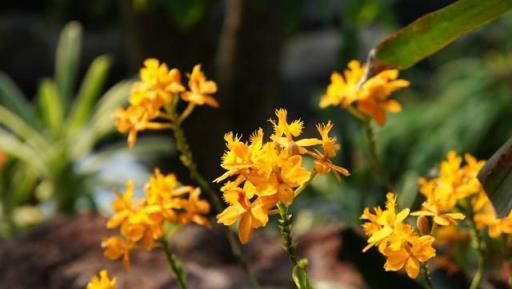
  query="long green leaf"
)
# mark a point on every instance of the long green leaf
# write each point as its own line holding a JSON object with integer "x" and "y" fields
{"x": 12, "y": 98}
{"x": 67, "y": 60}
{"x": 434, "y": 31}
{"x": 102, "y": 121}
{"x": 22, "y": 130}
{"x": 496, "y": 178}
{"x": 89, "y": 91}
{"x": 50, "y": 105}
{"x": 14, "y": 147}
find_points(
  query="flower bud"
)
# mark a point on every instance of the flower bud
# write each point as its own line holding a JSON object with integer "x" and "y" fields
{"x": 423, "y": 225}
{"x": 293, "y": 148}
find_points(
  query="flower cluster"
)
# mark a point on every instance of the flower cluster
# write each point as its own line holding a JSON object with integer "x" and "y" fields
{"x": 102, "y": 281}
{"x": 155, "y": 97}
{"x": 264, "y": 173}
{"x": 370, "y": 98}
{"x": 141, "y": 221}
{"x": 397, "y": 240}
{"x": 457, "y": 188}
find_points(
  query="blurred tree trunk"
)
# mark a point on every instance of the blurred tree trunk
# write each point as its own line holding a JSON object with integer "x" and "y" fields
{"x": 242, "y": 48}
{"x": 248, "y": 61}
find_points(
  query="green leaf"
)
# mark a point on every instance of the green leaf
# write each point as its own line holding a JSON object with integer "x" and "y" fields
{"x": 432, "y": 32}
{"x": 496, "y": 178}
{"x": 299, "y": 275}
{"x": 14, "y": 147}
{"x": 89, "y": 91}
{"x": 12, "y": 98}
{"x": 50, "y": 105}
{"x": 21, "y": 129}
{"x": 67, "y": 60}
{"x": 102, "y": 121}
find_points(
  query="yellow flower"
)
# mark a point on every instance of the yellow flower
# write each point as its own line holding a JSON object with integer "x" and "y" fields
{"x": 374, "y": 99}
{"x": 153, "y": 100}
{"x": 439, "y": 218}
{"x": 252, "y": 215}
{"x": 384, "y": 223}
{"x": 102, "y": 281}
{"x": 239, "y": 155}
{"x": 456, "y": 182}
{"x": 158, "y": 86}
{"x": 371, "y": 96}
{"x": 343, "y": 89}
{"x": 323, "y": 164}
{"x": 135, "y": 119}
{"x": 268, "y": 172}
{"x": 201, "y": 89}
{"x": 395, "y": 239}
{"x": 116, "y": 247}
{"x": 284, "y": 133}
{"x": 451, "y": 235}
{"x": 141, "y": 222}
{"x": 415, "y": 251}
{"x": 486, "y": 217}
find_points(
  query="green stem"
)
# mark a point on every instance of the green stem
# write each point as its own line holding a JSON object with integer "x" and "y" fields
{"x": 285, "y": 225}
{"x": 426, "y": 275}
{"x": 372, "y": 146}
{"x": 175, "y": 265}
{"x": 476, "y": 236}
{"x": 187, "y": 160}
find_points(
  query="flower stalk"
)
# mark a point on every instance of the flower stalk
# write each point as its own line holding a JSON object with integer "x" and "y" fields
{"x": 479, "y": 246}
{"x": 187, "y": 159}
{"x": 174, "y": 264}
{"x": 300, "y": 276}
{"x": 372, "y": 147}
{"x": 426, "y": 275}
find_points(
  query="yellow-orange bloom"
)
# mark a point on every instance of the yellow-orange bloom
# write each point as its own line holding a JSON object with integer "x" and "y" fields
{"x": 141, "y": 221}
{"x": 135, "y": 119}
{"x": 116, "y": 247}
{"x": 486, "y": 217}
{"x": 252, "y": 214}
{"x": 382, "y": 224}
{"x": 267, "y": 172}
{"x": 397, "y": 240}
{"x": 323, "y": 164}
{"x": 153, "y": 100}
{"x": 102, "y": 281}
{"x": 201, "y": 89}
{"x": 371, "y": 97}
{"x": 158, "y": 86}
{"x": 456, "y": 182}
{"x": 344, "y": 89}
{"x": 411, "y": 255}
{"x": 439, "y": 218}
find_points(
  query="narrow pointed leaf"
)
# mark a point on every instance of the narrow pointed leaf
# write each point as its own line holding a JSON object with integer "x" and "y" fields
{"x": 14, "y": 147}
{"x": 50, "y": 106}
{"x": 21, "y": 129}
{"x": 12, "y": 98}
{"x": 67, "y": 60}
{"x": 89, "y": 91}
{"x": 432, "y": 32}
{"x": 102, "y": 120}
{"x": 496, "y": 178}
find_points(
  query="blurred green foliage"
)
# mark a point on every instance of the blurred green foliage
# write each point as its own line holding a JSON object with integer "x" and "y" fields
{"x": 46, "y": 141}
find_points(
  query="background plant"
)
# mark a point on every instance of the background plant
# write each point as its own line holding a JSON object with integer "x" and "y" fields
{"x": 50, "y": 143}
